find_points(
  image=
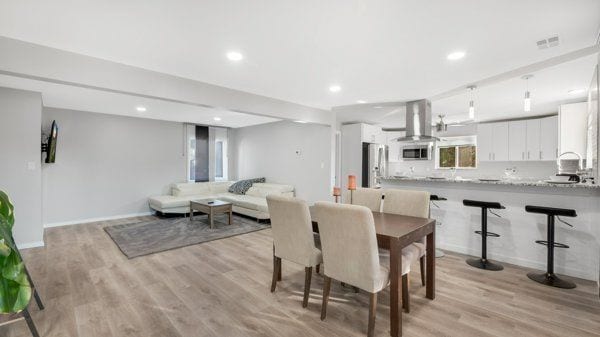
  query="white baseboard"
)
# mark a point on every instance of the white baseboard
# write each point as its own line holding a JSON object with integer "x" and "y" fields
{"x": 88, "y": 220}
{"x": 30, "y": 244}
{"x": 587, "y": 275}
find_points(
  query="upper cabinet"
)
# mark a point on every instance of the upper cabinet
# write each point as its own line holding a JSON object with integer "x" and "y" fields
{"x": 532, "y": 139}
{"x": 572, "y": 128}
{"x": 372, "y": 134}
{"x": 549, "y": 138}
{"x": 517, "y": 142}
{"x": 492, "y": 142}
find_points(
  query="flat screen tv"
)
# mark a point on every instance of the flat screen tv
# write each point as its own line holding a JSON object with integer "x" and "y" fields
{"x": 51, "y": 144}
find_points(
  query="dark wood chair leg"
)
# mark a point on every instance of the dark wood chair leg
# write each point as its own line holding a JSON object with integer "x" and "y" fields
{"x": 318, "y": 268}
{"x": 326, "y": 288}
{"x": 30, "y": 323}
{"x": 422, "y": 265}
{"x": 307, "y": 278}
{"x": 372, "y": 312}
{"x": 276, "y": 272}
{"x": 405, "y": 295}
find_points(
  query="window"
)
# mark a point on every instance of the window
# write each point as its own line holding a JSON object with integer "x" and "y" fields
{"x": 457, "y": 156}
{"x": 219, "y": 159}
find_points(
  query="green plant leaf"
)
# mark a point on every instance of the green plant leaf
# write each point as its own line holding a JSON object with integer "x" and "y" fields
{"x": 4, "y": 249}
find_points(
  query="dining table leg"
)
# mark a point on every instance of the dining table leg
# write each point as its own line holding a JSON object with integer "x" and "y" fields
{"x": 395, "y": 286}
{"x": 430, "y": 247}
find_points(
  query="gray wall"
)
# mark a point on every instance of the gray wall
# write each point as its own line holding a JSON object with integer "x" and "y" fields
{"x": 20, "y": 173}
{"x": 108, "y": 166}
{"x": 269, "y": 150}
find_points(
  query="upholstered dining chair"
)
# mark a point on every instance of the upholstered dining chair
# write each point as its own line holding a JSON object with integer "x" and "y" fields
{"x": 293, "y": 238}
{"x": 409, "y": 203}
{"x": 350, "y": 253}
{"x": 368, "y": 197}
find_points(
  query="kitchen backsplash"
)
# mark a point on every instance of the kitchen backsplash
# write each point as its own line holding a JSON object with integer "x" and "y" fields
{"x": 533, "y": 170}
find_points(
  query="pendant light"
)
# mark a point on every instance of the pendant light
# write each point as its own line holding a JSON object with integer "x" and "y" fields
{"x": 471, "y": 102}
{"x": 527, "y": 99}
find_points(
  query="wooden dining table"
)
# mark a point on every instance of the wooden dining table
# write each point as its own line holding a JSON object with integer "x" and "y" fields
{"x": 395, "y": 232}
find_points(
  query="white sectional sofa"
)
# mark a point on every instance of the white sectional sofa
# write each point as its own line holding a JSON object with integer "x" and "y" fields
{"x": 253, "y": 203}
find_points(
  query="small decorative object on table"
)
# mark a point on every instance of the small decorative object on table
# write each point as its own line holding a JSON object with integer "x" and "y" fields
{"x": 351, "y": 185}
{"x": 337, "y": 192}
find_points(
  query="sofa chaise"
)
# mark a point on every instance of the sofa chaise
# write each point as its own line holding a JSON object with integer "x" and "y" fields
{"x": 253, "y": 203}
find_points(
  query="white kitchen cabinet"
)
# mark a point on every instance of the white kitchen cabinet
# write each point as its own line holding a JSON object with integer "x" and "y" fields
{"x": 517, "y": 142}
{"x": 533, "y": 139}
{"x": 549, "y": 138}
{"x": 500, "y": 141}
{"x": 492, "y": 141}
{"x": 572, "y": 128}
{"x": 394, "y": 147}
{"x": 484, "y": 142}
{"x": 372, "y": 134}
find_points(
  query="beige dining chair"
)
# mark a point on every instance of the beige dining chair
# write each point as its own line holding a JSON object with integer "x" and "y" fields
{"x": 368, "y": 197}
{"x": 350, "y": 253}
{"x": 293, "y": 238}
{"x": 409, "y": 203}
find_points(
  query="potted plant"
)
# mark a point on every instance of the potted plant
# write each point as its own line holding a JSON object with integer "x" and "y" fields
{"x": 15, "y": 288}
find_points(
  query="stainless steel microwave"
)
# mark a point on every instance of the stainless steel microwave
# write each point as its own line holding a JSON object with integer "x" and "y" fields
{"x": 416, "y": 152}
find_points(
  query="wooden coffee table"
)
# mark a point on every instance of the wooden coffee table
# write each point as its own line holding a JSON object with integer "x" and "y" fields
{"x": 210, "y": 207}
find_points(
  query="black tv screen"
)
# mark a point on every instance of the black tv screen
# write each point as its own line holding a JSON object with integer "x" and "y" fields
{"x": 51, "y": 154}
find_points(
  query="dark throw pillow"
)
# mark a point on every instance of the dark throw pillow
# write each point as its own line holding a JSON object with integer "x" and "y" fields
{"x": 242, "y": 186}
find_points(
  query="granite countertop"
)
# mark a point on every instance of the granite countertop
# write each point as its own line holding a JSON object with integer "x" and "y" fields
{"x": 514, "y": 182}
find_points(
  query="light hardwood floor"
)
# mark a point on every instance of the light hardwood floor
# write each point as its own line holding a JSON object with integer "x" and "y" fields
{"x": 221, "y": 288}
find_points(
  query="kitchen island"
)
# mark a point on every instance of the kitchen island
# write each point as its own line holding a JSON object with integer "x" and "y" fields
{"x": 518, "y": 229}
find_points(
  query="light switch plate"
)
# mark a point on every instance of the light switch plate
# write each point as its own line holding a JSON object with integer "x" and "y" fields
{"x": 31, "y": 165}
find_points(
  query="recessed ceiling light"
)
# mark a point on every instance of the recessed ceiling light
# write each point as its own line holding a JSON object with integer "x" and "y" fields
{"x": 457, "y": 55}
{"x": 360, "y": 101}
{"x": 335, "y": 88}
{"x": 235, "y": 56}
{"x": 301, "y": 122}
{"x": 576, "y": 91}
{"x": 217, "y": 118}
{"x": 140, "y": 108}
{"x": 377, "y": 107}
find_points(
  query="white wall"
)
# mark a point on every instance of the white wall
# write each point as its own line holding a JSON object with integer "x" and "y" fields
{"x": 270, "y": 151}
{"x": 20, "y": 173}
{"x": 108, "y": 166}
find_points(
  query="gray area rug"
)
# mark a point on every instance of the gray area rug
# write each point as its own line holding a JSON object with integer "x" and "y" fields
{"x": 149, "y": 237}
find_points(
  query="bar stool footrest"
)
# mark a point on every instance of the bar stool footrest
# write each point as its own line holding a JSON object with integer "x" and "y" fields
{"x": 556, "y": 244}
{"x": 489, "y": 234}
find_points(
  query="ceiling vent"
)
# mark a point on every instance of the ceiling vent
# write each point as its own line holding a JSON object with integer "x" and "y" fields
{"x": 548, "y": 43}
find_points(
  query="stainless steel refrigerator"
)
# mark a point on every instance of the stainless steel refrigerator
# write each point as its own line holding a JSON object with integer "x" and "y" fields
{"x": 374, "y": 164}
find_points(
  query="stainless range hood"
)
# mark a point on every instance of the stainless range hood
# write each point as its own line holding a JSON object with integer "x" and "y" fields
{"x": 418, "y": 122}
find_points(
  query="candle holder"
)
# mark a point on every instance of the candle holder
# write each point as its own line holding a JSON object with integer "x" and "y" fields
{"x": 337, "y": 192}
{"x": 351, "y": 186}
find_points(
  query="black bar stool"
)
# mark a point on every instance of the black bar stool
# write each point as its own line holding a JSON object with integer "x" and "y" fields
{"x": 483, "y": 262}
{"x": 432, "y": 199}
{"x": 549, "y": 278}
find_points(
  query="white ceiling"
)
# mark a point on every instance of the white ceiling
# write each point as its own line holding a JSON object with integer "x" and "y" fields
{"x": 549, "y": 88}
{"x": 386, "y": 50}
{"x": 82, "y": 99}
